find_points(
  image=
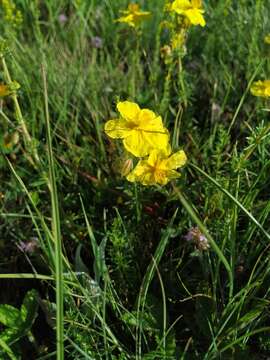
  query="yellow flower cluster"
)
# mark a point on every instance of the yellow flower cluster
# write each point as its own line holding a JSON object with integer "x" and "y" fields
{"x": 12, "y": 15}
{"x": 190, "y": 9}
{"x": 144, "y": 134}
{"x": 183, "y": 14}
{"x": 262, "y": 88}
{"x": 133, "y": 16}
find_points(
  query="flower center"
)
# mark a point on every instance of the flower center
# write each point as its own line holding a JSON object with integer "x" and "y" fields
{"x": 132, "y": 125}
{"x": 158, "y": 173}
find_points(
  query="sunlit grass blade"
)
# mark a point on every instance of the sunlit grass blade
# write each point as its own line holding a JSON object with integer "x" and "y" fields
{"x": 204, "y": 230}
{"x": 56, "y": 230}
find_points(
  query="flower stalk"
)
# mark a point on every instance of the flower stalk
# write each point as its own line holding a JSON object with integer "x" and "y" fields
{"x": 28, "y": 141}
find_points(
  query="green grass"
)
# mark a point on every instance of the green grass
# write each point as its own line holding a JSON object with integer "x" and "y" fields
{"x": 112, "y": 272}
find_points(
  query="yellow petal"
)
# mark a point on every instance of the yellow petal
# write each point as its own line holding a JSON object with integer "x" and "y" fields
{"x": 117, "y": 129}
{"x": 136, "y": 144}
{"x": 196, "y": 3}
{"x": 148, "y": 179}
{"x": 180, "y": 5}
{"x": 129, "y": 19}
{"x": 176, "y": 160}
{"x": 150, "y": 122}
{"x": 195, "y": 16}
{"x": 147, "y": 118}
{"x": 156, "y": 140}
{"x": 131, "y": 176}
{"x": 140, "y": 169}
{"x": 143, "y": 14}
{"x": 129, "y": 110}
{"x": 153, "y": 157}
{"x": 154, "y": 133}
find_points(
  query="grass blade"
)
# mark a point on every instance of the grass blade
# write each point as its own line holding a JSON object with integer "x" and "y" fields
{"x": 56, "y": 230}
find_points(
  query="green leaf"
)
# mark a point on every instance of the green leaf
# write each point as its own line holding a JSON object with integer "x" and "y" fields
{"x": 19, "y": 322}
{"x": 257, "y": 309}
{"x": 7, "y": 350}
{"x": 29, "y": 309}
{"x": 10, "y": 316}
{"x": 8, "y": 335}
{"x": 79, "y": 264}
{"x": 171, "y": 345}
{"x": 147, "y": 321}
{"x": 49, "y": 309}
{"x": 100, "y": 264}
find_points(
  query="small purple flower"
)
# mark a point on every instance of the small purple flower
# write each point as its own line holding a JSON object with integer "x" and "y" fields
{"x": 28, "y": 246}
{"x": 197, "y": 237}
{"x": 190, "y": 235}
{"x": 62, "y": 18}
{"x": 97, "y": 42}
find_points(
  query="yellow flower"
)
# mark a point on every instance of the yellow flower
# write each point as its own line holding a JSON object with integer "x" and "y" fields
{"x": 168, "y": 6}
{"x": 9, "y": 141}
{"x": 267, "y": 39}
{"x": 159, "y": 168}
{"x": 261, "y": 88}
{"x": 141, "y": 129}
{"x": 133, "y": 16}
{"x": 191, "y": 9}
{"x": 11, "y": 14}
{"x": 6, "y": 90}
